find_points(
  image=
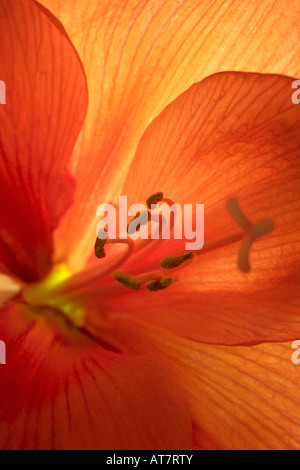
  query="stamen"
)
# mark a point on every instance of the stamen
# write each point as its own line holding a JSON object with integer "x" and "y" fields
{"x": 143, "y": 217}
{"x": 128, "y": 281}
{"x": 160, "y": 284}
{"x": 221, "y": 243}
{"x": 151, "y": 276}
{"x": 154, "y": 199}
{"x": 80, "y": 280}
{"x": 145, "y": 246}
{"x": 174, "y": 261}
{"x": 100, "y": 243}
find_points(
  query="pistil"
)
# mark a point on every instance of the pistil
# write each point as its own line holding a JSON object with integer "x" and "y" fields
{"x": 253, "y": 232}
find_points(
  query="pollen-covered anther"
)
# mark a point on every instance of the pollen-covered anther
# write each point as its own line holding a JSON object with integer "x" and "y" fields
{"x": 173, "y": 261}
{"x": 128, "y": 281}
{"x": 253, "y": 232}
{"x": 160, "y": 284}
{"x": 142, "y": 217}
{"x": 100, "y": 243}
{"x": 154, "y": 199}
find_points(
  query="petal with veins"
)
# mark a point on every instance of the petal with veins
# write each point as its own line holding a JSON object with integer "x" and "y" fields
{"x": 138, "y": 57}
{"x": 212, "y": 315}
{"x": 240, "y": 397}
{"x": 231, "y": 134}
{"x": 61, "y": 390}
{"x": 45, "y": 107}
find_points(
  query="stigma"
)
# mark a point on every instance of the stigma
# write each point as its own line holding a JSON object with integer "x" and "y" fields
{"x": 252, "y": 232}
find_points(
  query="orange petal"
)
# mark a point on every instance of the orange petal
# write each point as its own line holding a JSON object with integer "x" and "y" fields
{"x": 138, "y": 57}
{"x": 241, "y": 397}
{"x": 46, "y": 101}
{"x": 214, "y": 315}
{"x": 233, "y": 134}
{"x": 61, "y": 390}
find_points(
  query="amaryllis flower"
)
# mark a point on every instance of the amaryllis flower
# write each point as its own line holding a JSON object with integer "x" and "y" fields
{"x": 191, "y": 99}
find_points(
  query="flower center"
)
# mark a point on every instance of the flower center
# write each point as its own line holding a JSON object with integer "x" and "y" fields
{"x": 42, "y": 294}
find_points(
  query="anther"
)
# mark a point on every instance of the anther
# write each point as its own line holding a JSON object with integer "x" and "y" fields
{"x": 142, "y": 217}
{"x": 128, "y": 281}
{"x": 174, "y": 261}
{"x": 160, "y": 284}
{"x": 154, "y": 199}
{"x": 100, "y": 243}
